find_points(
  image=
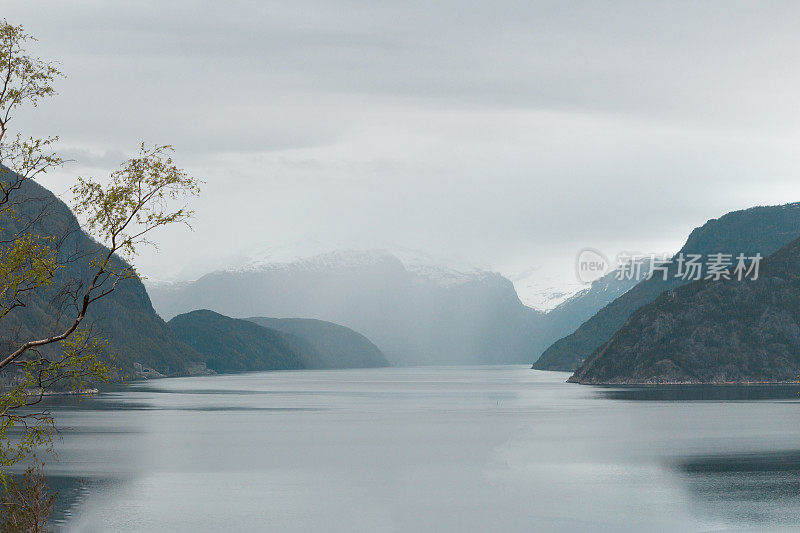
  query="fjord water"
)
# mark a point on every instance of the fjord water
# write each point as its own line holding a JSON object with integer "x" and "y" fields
{"x": 426, "y": 449}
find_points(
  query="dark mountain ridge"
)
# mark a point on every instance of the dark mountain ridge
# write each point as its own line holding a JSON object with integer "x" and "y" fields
{"x": 762, "y": 230}
{"x": 237, "y": 345}
{"x": 726, "y": 331}
{"x": 234, "y": 345}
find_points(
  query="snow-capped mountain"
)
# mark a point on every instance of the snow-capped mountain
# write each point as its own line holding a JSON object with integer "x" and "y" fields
{"x": 415, "y": 312}
{"x": 417, "y": 308}
{"x": 443, "y": 271}
{"x": 536, "y": 287}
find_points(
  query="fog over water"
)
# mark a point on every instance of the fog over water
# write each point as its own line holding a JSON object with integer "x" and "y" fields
{"x": 436, "y": 448}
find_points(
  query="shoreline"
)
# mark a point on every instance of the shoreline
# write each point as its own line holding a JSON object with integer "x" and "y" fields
{"x": 81, "y": 392}
{"x": 686, "y": 383}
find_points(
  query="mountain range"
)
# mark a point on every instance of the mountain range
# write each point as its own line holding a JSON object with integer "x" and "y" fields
{"x": 137, "y": 336}
{"x": 369, "y": 308}
{"x": 236, "y": 345}
{"x": 756, "y": 230}
{"x": 711, "y": 331}
{"x": 415, "y": 312}
{"x": 425, "y": 315}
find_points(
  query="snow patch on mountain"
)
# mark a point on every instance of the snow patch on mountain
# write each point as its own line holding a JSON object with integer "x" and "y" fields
{"x": 442, "y": 271}
{"x": 334, "y": 260}
{"x": 544, "y": 289}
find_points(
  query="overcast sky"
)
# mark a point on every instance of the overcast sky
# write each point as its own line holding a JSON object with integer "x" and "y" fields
{"x": 509, "y": 134}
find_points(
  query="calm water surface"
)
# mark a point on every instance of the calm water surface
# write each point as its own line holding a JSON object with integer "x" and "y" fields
{"x": 427, "y": 449}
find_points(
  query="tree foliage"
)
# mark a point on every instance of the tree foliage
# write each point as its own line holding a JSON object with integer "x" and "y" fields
{"x": 120, "y": 211}
{"x": 27, "y": 503}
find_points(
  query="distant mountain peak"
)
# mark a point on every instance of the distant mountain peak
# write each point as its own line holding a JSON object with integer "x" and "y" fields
{"x": 329, "y": 260}
{"x": 443, "y": 272}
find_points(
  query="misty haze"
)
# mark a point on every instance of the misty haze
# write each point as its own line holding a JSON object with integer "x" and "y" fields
{"x": 399, "y": 266}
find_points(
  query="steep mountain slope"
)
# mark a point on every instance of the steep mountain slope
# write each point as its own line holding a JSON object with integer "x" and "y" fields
{"x": 234, "y": 345}
{"x": 567, "y": 316}
{"x": 711, "y": 332}
{"x": 337, "y": 346}
{"x": 759, "y": 229}
{"x": 126, "y": 318}
{"x": 425, "y": 316}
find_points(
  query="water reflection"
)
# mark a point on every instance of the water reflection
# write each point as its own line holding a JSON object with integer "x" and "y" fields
{"x": 751, "y": 488}
{"x": 684, "y": 393}
{"x": 71, "y": 492}
{"x": 427, "y": 449}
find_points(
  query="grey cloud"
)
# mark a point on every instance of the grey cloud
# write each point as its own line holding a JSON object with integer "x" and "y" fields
{"x": 491, "y": 129}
